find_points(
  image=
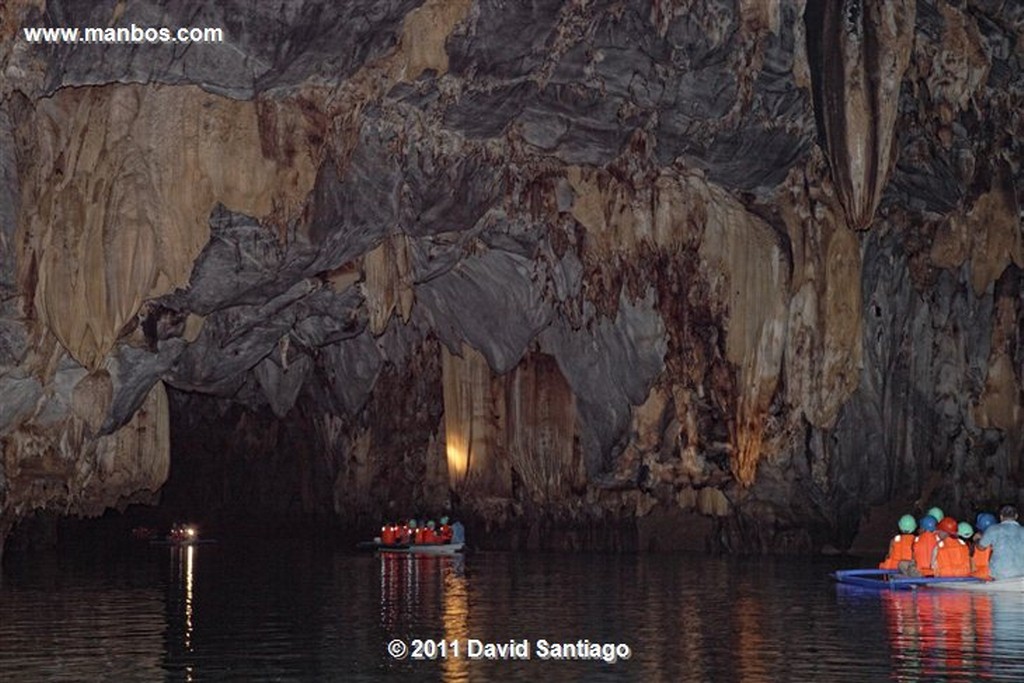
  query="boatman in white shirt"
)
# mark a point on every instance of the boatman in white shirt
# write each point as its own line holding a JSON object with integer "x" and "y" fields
{"x": 1007, "y": 542}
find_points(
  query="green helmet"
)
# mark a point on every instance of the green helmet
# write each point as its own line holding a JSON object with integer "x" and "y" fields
{"x": 412, "y": 523}
{"x": 964, "y": 530}
{"x": 444, "y": 520}
{"x": 937, "y": 513}
{"x": 907, "y": 524}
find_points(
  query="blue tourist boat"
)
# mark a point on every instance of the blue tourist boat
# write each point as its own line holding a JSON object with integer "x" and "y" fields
{"x": 891, "y": 579}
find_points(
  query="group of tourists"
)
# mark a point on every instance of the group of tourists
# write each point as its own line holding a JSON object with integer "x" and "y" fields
{"x": 415, "y": 532}
{"x": 937, "y": 545}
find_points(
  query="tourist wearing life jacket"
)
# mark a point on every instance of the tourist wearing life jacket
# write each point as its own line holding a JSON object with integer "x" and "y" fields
{"x": 388, "y": 533}
{"x": 952, "y": 555}
{"x": 901, "y": 547}
{"x": 430, "y": 533}
{"x": 445, "y": 531}
{"x": 420, "y": 536}
{"x": 980, "y": 557}
{"x": 1007, "y": 542}
{"x": 924, "y": 546}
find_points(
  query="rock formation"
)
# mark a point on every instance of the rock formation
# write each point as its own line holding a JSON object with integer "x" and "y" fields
{"x": 728, "y": 274}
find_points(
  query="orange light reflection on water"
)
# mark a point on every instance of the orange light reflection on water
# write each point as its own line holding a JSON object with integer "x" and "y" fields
{"x": 409, "y": 582}
{"x": 455, "y": 616}
{"x": 940, "y": 634}
{"x": 755, "y": 661}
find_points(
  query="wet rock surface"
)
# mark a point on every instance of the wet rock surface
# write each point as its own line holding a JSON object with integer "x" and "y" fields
{"x": 583, "y": 273}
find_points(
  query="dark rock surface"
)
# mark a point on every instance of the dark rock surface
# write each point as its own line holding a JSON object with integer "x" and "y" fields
{"x": 769, "y": 251}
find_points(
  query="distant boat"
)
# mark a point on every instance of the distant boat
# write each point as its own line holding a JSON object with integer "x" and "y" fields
{"x": 411, "y": 540}
{"x": 414, "y": 548}
{"x": 182, "y": 535}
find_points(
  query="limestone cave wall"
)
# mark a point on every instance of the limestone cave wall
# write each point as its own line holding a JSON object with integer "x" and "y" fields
{"x": 721, "y": 274}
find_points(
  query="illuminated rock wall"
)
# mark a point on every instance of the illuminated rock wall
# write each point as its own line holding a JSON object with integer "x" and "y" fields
{"x": 584, "y": 271}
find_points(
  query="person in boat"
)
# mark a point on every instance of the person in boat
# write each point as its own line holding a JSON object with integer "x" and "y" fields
{"x": 952, "y": 555}
{"x": 901, "y": 546}
{"x": 445, "y": 530}
{"x": 924, "y": 545}
{"x": 458, "y": 532}
{"x": 408, "y": 533}
{"x": 388, "y": 533}
{"x": 1007, "y": 542}
{"x": 980, "y": 556}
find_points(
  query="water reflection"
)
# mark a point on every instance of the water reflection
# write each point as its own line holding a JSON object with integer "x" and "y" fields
{"x": 80, "y": 620}
{"x": 755, "y": 660}
{"x": 181, "y": 616}
{"x": 455, "y": 617}
{"x": 297, "y": 613}
{"x": 955, "y": 635}
{"x": 411, "y": 585}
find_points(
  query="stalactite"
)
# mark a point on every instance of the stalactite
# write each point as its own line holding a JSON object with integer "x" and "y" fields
{"x": 476, "y": 462}
{"x": 1000, "y": 405}
{"x": 741, "y": 263}
{"x": 64, "y": 468}
{"x": 388, "y": 282}
{"x": 823, "y": 337}
{"x": 119, "y": 197}
{"x": 861, "y": 51}
{"x": 541, "y": 429}
{"x": 748, "y": 270}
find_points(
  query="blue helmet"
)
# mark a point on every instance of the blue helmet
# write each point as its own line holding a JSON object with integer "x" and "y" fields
{"x": 927, "y": 523}
{"x": 984, "y": 521}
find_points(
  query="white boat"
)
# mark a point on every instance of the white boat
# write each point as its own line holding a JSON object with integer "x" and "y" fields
{"x": 1014, "y": 585}
{"x": 422, "y": 548}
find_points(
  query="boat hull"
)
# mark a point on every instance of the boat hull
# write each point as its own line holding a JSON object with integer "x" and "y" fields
{"x": 890, "y": 579}
{"x": 418, "y": 548}
{"x": 1015, "y": 585}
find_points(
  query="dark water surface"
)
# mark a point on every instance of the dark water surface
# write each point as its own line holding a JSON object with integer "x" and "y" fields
{"x": 291, "y": 612}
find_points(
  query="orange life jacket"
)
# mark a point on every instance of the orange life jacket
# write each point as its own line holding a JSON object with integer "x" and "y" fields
{"x": 901, "y": 547}
{"x": 952, "y": 558}
{"x": 979, "y": 562}
{"x": 387, "y": 535}
{"x": 446, "y": 533}
{"x": 924, "y": 545}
